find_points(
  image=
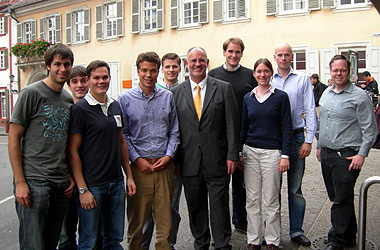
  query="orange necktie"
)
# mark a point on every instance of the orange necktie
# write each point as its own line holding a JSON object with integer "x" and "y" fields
{"x": 198, "y": 102}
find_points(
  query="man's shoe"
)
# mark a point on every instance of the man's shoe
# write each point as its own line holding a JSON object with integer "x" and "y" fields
{"x": 242, "y": 230}
{"x": 271, "y": 247}
{"x": 253, "y": 247}
{"x": 302, "y": 240}
{"x": 330, "y": 247}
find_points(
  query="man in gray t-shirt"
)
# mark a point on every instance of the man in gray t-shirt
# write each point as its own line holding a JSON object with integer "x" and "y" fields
{"x": 37, "y": 144}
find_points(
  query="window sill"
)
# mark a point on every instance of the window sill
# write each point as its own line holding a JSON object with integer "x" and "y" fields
{"x": 293, "y": 14}
{"x": 352, "y": 8}
{"x": 190, "y": 27}
{"x": 237, "y": 20}
{"x": 149, "y": 32}
{"x": 78, "y": 44}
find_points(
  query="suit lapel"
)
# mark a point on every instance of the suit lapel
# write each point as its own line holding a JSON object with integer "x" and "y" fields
{"x": 210, "y": 90}
{"x": 189, "y": 96}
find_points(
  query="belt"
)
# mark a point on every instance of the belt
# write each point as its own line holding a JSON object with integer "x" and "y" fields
{"x": 151, "y": 161}
{"x": 329, "y": 150}
{"x": 298, "y": 130}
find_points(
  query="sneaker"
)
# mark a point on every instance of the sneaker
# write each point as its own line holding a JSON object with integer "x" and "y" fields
{"x": 271, "y": 247}
{"x": 253, "y": 247}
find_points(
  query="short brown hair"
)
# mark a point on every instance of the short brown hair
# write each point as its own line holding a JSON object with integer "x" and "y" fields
{"x": 340, "y": 57}
{"x": 96, "y": 64}
{"x": 171, "y": 56}
{"x": 148, "y": 57}
{"x": 264, "y": 61}
{"x": 234, "y": 40}
{"x": 58, "y": 49}
{"x": 77, "y": 71}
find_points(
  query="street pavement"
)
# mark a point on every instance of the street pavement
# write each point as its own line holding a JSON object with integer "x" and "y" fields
{"x": 316, "y": 223}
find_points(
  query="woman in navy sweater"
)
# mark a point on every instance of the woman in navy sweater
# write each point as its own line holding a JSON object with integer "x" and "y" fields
{"x": 265, "y": 137}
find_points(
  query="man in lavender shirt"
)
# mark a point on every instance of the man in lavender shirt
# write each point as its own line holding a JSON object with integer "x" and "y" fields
{"x": 152, "y": 135}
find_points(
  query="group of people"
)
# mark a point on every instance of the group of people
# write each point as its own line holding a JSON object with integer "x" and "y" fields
{"x": 251, "y": 124}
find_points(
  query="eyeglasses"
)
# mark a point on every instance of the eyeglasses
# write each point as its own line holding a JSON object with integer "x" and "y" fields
{"x": 339, "y": 71}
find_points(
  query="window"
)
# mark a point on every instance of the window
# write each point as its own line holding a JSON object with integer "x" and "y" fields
{"x": 293, "y": 7}
{"x": 348, "y": 5}
{"x": 148, "y": 13}
{"x": 3, "y": 25}
{"x": 299, "y": 61}
{"x": 78, "y": 26}
{"x": 109, "y": 20}
{"x": 362, "y": 64}
{"x": 50, "y": 28}
{"x": 26, "y": 31}
{"x": 3, "y": 104}
{"x": 188, "y": 13}
{"x": 230, "y": 10}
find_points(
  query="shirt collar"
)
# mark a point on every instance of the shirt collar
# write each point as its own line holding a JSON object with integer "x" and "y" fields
{"x": 202, "y": 83}
{"x": 92, "y": 101}
{"x": 142, "y": 92}
{"x": 232, "y": 70}
{"x": 167, "y": 86}
{"x": 271, "y": 89}
{"x": 292, "y": 71}
{"x": 347, "y": 89}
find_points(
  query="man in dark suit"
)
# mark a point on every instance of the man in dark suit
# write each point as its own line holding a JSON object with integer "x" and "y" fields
{"x": 209, "y": 149}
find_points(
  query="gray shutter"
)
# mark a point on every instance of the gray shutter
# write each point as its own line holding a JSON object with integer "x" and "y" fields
{"x": 241, "y": 9}
{"x": 119, "y": 18}
{"x": 173, "y": 13}
{"x": 99, "y": 21}
{"x": 314, "y": 5}
{"x": 19, "y": 32}
{"x": 135, "y": 16}
{"x": 160, "y": 14}
{"x": 58, "y": 29}
{"x": 6, "y": 24}
{"x": 86, "y": 25}
{"x": 203, "y": 11}
{"x": 6, "y": 58}
{"x": 271, "y": 7}
{"x": 42, "y": 28}
{"x": 69, "y": 29}
{"x": 217, "y": 10}
{"x": 34, "y": 30}
{"x": 328, "y": 4}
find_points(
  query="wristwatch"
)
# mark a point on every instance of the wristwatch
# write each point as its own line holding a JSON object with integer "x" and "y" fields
{"x": 83, "y": 190}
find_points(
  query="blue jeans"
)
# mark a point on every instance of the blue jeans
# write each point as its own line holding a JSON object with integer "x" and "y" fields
{"x": 239, "y": 213}
{"x": 296, "y": 201}
{"x": 67, "y": 240}
{"x": 40, "y": 225}
{"x": 340, "y": 185}
{"x": 176, "y": 218}
{"x": 110, "y": 208}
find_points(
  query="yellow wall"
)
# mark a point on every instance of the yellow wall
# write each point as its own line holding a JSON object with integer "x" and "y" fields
{"x": 319, "y": 29}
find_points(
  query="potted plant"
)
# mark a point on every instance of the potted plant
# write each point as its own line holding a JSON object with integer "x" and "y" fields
{"x": 32, "y": 51}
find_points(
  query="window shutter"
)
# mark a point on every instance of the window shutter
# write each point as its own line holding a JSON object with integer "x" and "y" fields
{"x": 241, "y": 9}
{"x": 86, "y": 25}
{"x": 6, "y": 25}
{"x": 373, "y": 61}
{"x": 34, "y": 31}
{"x": 6, "y": 58}
{"x": 58, "y": 29}
{"x": 328, "y": 4}
{"x": 160, "y": 15}
{"x": 314, "y": 5}
{"x": 42, "y": 28}
{"x": 217, "y": 10}
{"x": 174, "y": 14}
{"x": 19, "y": 32}
{"x": 203, "y": 11}
{"x": 69, "y": 27}
{"x": 119, "y": 18}
{"x": 135, "y": 77}
{"x": 135, "y": 16}
{"x": 326, "y": 55}
{"x": 271, "y": 7}
{"x": 312, "y": 61}
{"x": 99, "y": 21}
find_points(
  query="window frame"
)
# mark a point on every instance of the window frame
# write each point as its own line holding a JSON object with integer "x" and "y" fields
{"x": 221, "y": 11}
{"x": 21, "y": 35}
{"x": 71, "y": 26}
{"x": 177, "y": 14}
{"x": 353, "y": 6}
{"x": 55, "y": 31}
{"x": 293, "y": 11}
{"x": 101, "y": 20}
{"x": 4, "y": 63}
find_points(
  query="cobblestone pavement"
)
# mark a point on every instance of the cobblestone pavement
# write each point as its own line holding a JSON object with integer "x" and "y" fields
{"x": 317, "y": 217}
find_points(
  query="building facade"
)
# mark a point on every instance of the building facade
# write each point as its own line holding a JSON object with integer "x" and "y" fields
{"x": 116, "y": 31}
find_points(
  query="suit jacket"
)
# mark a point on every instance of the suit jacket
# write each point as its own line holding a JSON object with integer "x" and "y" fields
{"x": 215, "y": 138}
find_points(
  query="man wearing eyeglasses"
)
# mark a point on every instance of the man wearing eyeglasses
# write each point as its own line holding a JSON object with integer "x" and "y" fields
{"x": 347, "y": 132}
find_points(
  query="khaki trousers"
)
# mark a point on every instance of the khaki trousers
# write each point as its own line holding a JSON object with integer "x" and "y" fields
{"x": 157, "y": 188}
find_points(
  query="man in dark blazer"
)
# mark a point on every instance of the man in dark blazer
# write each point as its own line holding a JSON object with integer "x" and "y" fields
{"x": 209, "y": 149}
